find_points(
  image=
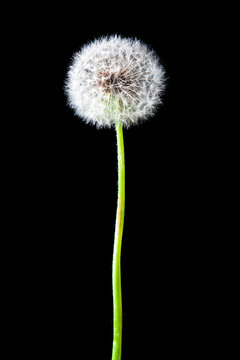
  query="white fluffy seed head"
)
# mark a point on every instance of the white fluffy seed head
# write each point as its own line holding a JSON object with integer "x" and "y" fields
{"x": 115, "y": 79}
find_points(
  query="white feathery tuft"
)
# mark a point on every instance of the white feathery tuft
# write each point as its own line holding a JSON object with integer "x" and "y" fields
{"x": 115, "y": 79}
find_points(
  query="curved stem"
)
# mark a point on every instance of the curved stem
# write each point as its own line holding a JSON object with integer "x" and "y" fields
{"x": 116, "y": 270}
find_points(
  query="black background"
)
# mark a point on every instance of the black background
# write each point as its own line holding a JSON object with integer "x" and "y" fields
{"x": 65, "y": 199}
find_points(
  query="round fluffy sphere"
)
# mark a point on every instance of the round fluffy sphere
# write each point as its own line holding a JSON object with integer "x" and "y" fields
{"x": 113, "y": 80}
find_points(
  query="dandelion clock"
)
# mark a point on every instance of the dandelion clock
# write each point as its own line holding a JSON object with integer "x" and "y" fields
{"x": 115, "y": 82}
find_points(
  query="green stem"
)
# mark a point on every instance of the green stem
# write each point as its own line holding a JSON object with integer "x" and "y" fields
{"x": 116, "y": 270}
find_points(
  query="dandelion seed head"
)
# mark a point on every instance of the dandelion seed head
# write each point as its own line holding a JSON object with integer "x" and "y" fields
{"x": 115, "y": 79}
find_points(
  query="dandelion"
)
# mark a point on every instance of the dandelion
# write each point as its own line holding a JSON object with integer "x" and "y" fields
{"x": 115, "y": 81}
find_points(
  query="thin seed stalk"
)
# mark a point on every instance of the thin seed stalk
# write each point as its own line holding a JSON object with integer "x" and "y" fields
{"x": 116, "y": 269}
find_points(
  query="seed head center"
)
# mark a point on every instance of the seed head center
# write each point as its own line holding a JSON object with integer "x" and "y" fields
{"x": 112, "y": 82}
